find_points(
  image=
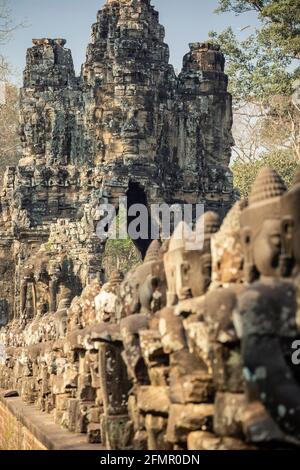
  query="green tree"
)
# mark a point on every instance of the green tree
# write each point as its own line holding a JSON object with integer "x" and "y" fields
{"x": 9, "y": 97}
{"x": 10, "y": 145}
{"x": 7, "y": 26}
{"x": 245, "y": 173}
{"x": 264, "y": 63}
{"x": 120, "y": 254}
{"x": 256, "y": 72}
{"x": 280, "y": 22}
{"x": 262, "y": 69}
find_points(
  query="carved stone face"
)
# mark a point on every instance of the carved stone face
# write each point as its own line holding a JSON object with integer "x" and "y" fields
{"x": 61, "y": 322}
{"x": 152, "y": 292}
{"x": 75, "y": 314}
{"x": 291, "y": 222}
{"x": 261, "y": 227}
{"x": 205, "y": 272}
{"x": 106, "y": 306}
{"x": 138, "y": 288}
{"x": 267, "y": 248}
{"x": 143, "y": 289}
{"x": 188, "y": 267}
{"x": 188, "y": 275}
{"x": 296, "y": 242}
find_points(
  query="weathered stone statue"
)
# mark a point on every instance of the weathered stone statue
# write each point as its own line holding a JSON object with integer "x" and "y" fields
{"x": 107, "y": 302}
{"x": 188, "y": 270}
{"x": 268, "y": 306}
{"x": 290, "y": 227}
{"x": 143, "y": 290}
{"x": 128, "y": 126}
{"x": 261, "y": 227}
{"x": 188, "y": 260}
{"x": 212, "y": 337}
{"x": 61, "y": 315}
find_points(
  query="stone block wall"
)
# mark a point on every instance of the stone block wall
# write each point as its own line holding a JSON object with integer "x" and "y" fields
{"x": 14, "y": 435}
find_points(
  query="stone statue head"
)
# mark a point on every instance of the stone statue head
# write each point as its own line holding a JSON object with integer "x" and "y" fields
{"x": 144, "y": 284}
{"x": 188, "y": 261}
{"x": 152, "y": 292}
{"x": 41, "y": 267}
{"x": 64, "y": 298}
{"x": 227, "y": 256}
{"x": 291, "y": 224}
{"x": 261, "y": 226}
{"x": 106, "y": 302}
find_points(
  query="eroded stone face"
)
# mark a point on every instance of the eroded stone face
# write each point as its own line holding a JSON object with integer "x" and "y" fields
{"x": 261, "y": 227}
{"x": 290, "y": 223}
{"x": 188, "y": 263}
{"x": 144, "y": 287}
{"x": 227, "y": 255}
{"x": 107, "y": 302}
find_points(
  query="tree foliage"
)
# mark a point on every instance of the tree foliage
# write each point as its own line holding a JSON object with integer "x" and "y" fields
{"x": 121, "y": 255}
{"x": 262, "y": 64}
{"x": 9, "y": 97}
{"x": 245, "y": 173}
{"x": 10, "y": 149}
{"x": 262, "y": 69}
{"x": 280, "y": 22}
{"x": 256, "y": 71}
{"x": 7, "y": 26}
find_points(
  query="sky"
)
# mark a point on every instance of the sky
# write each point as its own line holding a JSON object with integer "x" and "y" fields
{"x": 185, "y": 21}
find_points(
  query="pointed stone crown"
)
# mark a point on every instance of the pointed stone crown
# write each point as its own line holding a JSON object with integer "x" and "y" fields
{"x": 264, "y": 200}
{"x": 116, "y": 278}
{"x": 153, "y": 252}
{"x": 267, "y": 185}
{"x": 231, "y": 225}
{"x": 211, "y": 222}
{"x": 226, "y": 247}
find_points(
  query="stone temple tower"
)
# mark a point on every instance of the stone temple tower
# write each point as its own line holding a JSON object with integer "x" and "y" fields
{"x": 128, "y": 126}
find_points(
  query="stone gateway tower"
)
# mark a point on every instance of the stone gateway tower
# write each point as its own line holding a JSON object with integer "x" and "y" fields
{"x": 128, "y": 126}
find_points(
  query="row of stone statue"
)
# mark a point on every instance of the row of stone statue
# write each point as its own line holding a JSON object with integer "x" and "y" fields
{"x": 193, "y": 349}
{"x": 231, "y": 308}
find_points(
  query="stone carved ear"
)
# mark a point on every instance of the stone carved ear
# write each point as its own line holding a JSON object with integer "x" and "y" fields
{"x": 287, "y": 256}
{"x": 287, "y": 231}
{"x": 184, "y": 271}
{"x": 246, "y": 240}
{"x": 251, "y": 273}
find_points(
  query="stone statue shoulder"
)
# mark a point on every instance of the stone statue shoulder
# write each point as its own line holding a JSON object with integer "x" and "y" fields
{"x": 268, "y": 307}
{"x": 220, "y": 305}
